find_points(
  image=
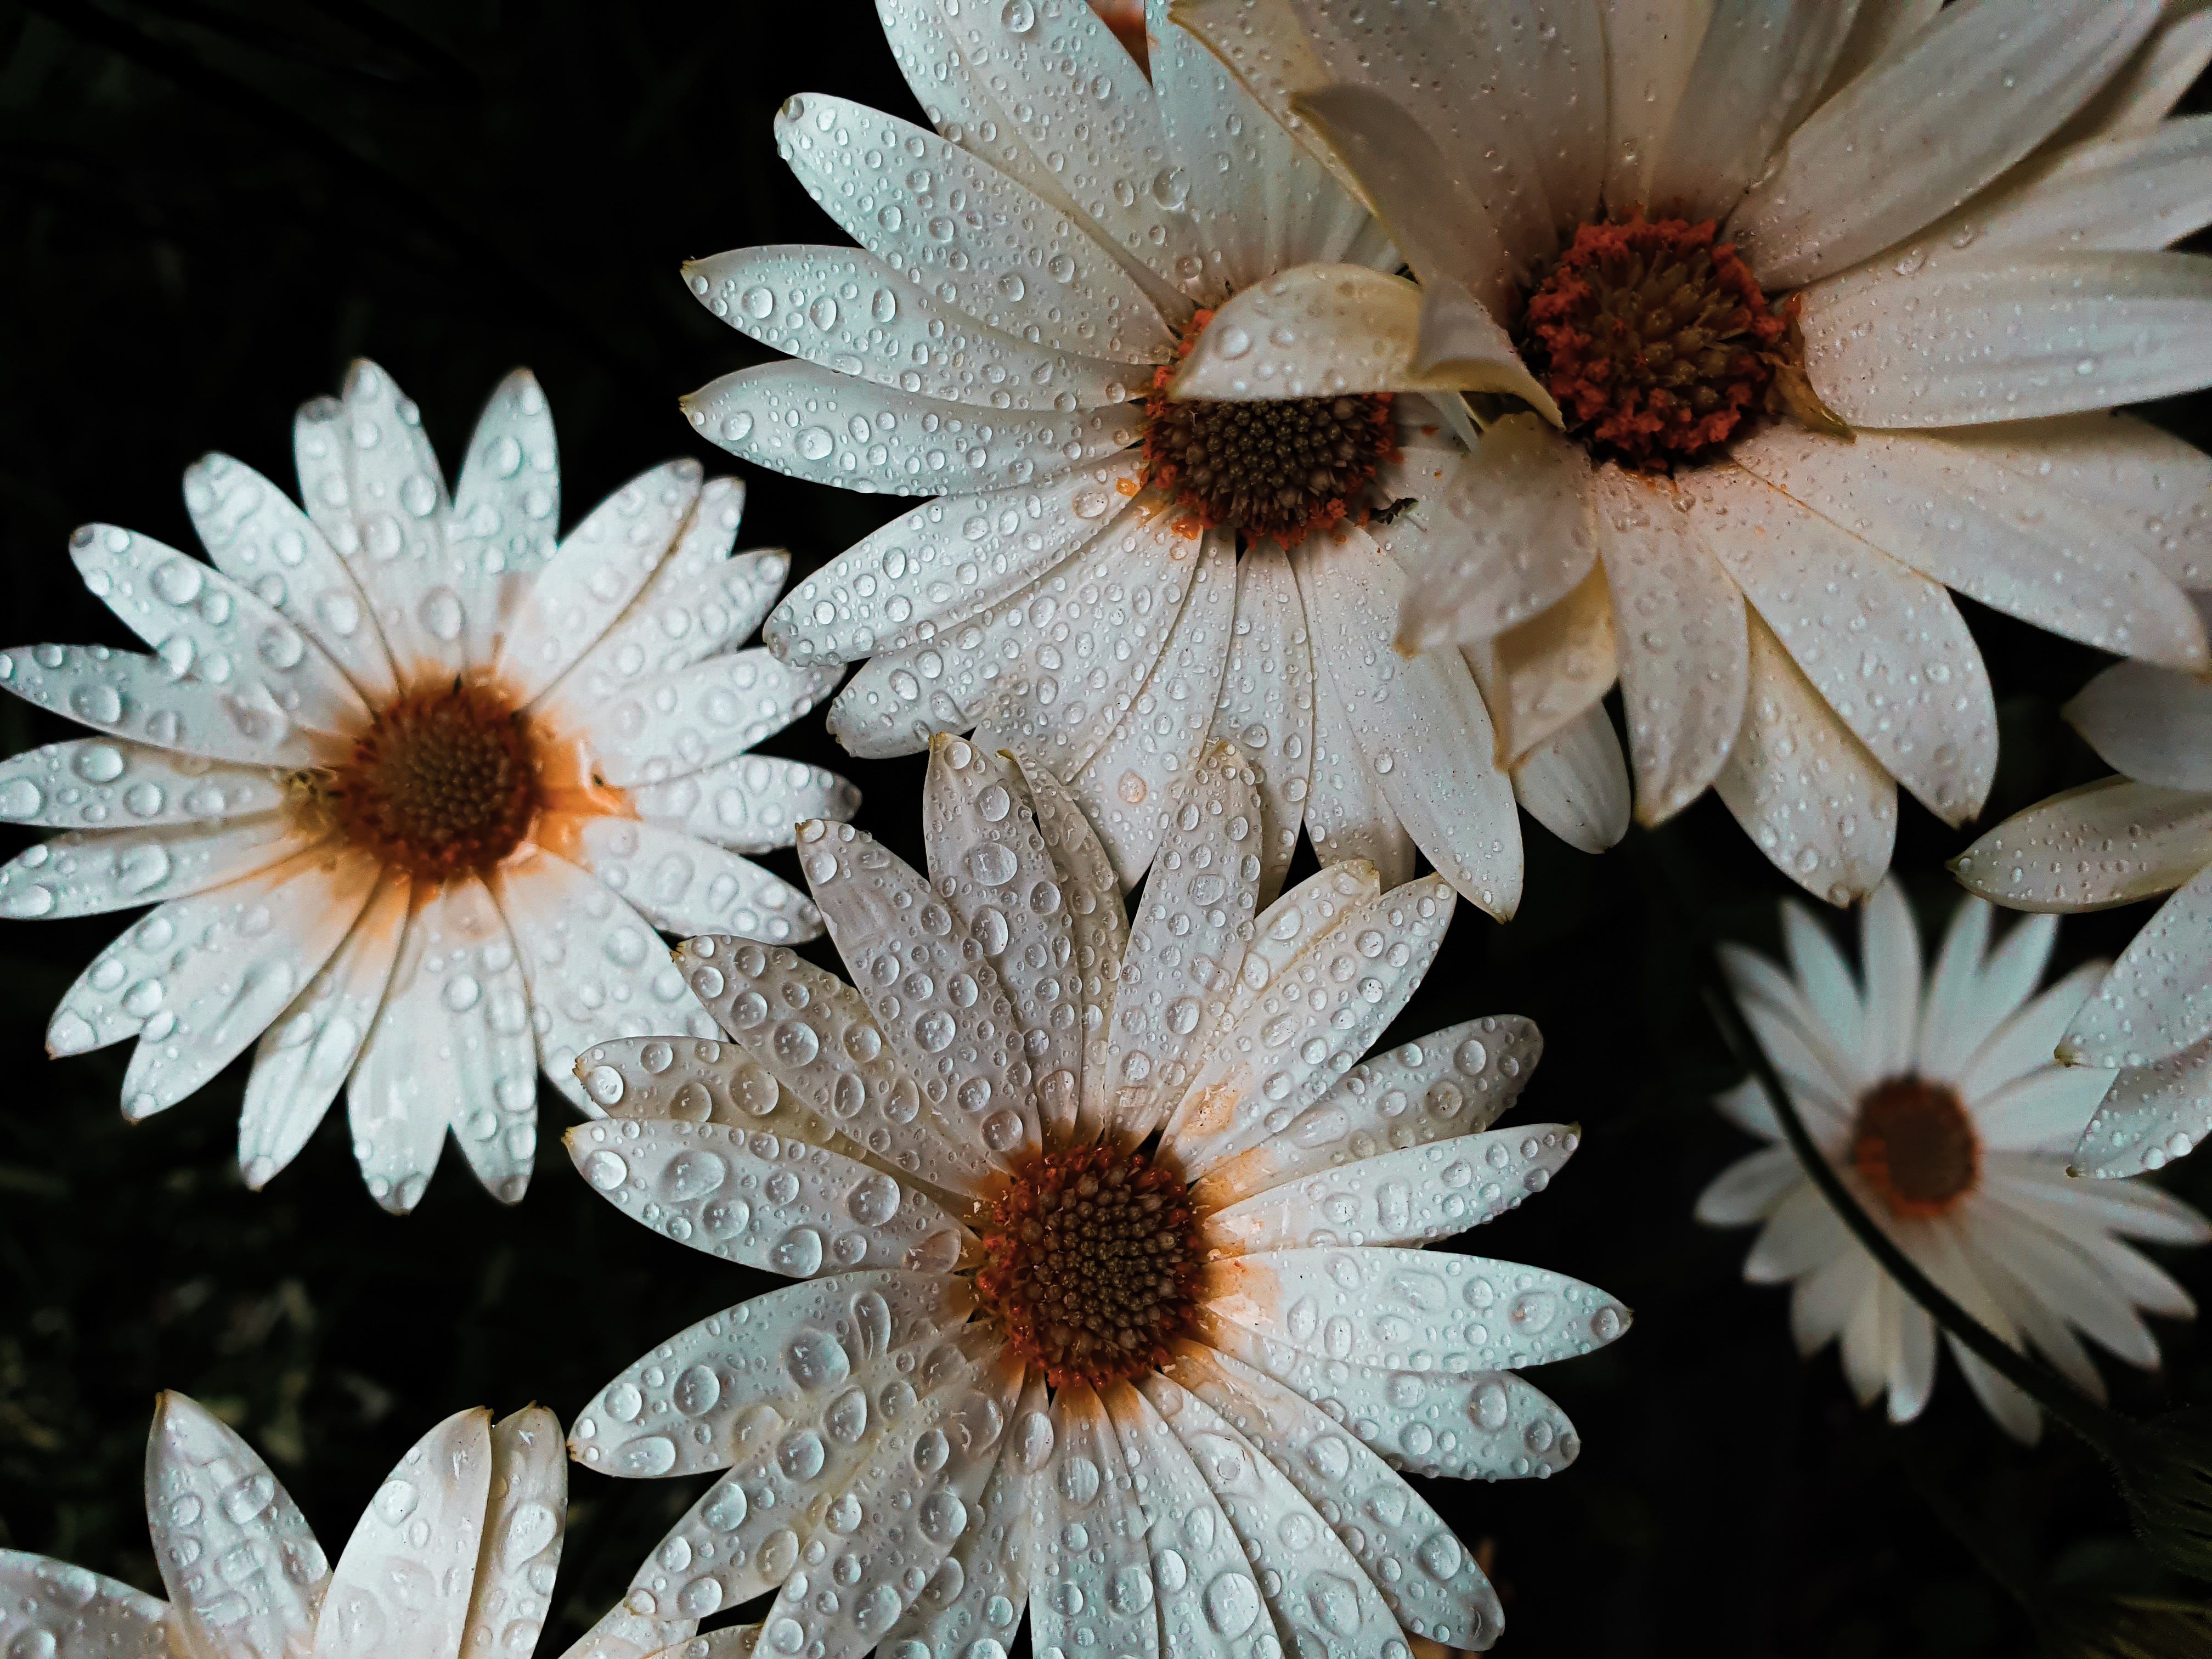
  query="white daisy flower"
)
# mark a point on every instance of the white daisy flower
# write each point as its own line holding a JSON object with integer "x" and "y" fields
{"x": 1784, "y": 318}
{"x": 1939, "y": 1106}
{"x": 1114, "y": 1299}
{"x": 455, "y": 1555}
{"x": 410, "y": 784}
{"x": 2147, "y": 1028}
{"x": 1110, "y": 578}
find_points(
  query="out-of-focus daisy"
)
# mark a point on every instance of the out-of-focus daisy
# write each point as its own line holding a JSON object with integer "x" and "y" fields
{"x": 2145, "y": 832}
{"x": 1941, "y": 1108}
{"x": 410, "y": 783}
{"x": 454, "y": 1558}
{"x": 1112, "y": 579}
{"x": 1114, "y": 1302}
{"x": 1783, "y": 319}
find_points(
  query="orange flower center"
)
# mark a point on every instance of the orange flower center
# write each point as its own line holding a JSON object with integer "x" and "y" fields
{"x": 444, "y": 782}
{"x": 1656, "y": 343}
{"x": 1273, "y": 469}
{"x": 1916, "y": 1146}
{"x": 1091, "y": 1263}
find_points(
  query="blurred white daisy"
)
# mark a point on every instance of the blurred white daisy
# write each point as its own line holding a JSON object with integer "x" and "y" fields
{"x": 2148, "y": 1025}
{"x": 455, "y": 1556}
{"x": 1115, "y": 1301}
{"x": 1112, "y": 579}
{"x": 1939, "y": 1107}
{"x": 410, "y": 784}
{"x": 1783, "y": 319}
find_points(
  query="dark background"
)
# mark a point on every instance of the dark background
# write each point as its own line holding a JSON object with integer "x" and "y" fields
{"x": 207, "y": 207}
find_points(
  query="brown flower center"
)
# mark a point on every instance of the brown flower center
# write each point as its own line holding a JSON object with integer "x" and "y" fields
{"x": 443, "y": 782}
{"x": 1656, "y": 343}
{"x": 1916, "y": 1146}
{"x": 1273, "y": 469}
{"x": 1090, "y": 1261}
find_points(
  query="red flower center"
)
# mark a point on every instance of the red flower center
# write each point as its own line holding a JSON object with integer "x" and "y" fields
{"x": 1092, "y": 1260}
{"x": 443, "y": 782}
{"x": 1916, "y": 1146}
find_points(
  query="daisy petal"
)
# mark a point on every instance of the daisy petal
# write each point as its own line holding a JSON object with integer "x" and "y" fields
{"x": 1750, "y": 1188}
{"x": 1824, "y": 1301}
{"x": 137, "y": 697}
{"x": 1684, "y": 662}
{"x": 256, "y": 535}
{"x": 1460, "y": 342}
{"x": 428, "y": 1546}
{"x": 1651, "y": 48}
{"x": 1413, "y": 1195}
{"x": 1100, "y": 1597}
{"x": 832, "y": 1060}
{"x": 2013, "y": 1411}
{"x": 701, "y": 715}
{"x": 1509, "y": 1431}
{"x": 1541, "y": 679}
{"x": 748, "y": 803}
{"x": 1912, "y": 1362}
{"x": 2045, "y": 1111}
{"x": 307, "y": 1053}
{"x": 2013, "y": 542}
{"x": 984, "y": 1585}
{"x": 2142, "y": 193}
{"x": 2012, "y": 339}
{"x": 1889, "y": 968}
{"x": 1207, "y": 1599}
{"x": 2024, "y": 1043}
{"x": 1831, "y": 988}
{"x": 887, "y": 923}
{"x": 682, "y": 884}
{"x": 1576, "y": 784}
{"x": 90, "y": 873}
{"x": 1801, "y": 1233}
{"x": 1450, "y": 1083}
{"x": 92, "y": 783}
{"x": 988, "y": 266}
{"x": 1865, "y": 1340}
{"x": 1263, "y": 43}
{"x": 1321, "y": 1580}
{"x": 245, "y": 973}
{"x": 508, "y": 499}
{"x": 1804, "y": 1045}
{"x": 1451, "y": 1599}
{"x": 1952, "y": 992}
{"x": 1880, "y": 33}
{"x": 1159, "y": 739}
{"x": 1965, "y": 99}
{"x": 1267, "y": 704}
{"x": 2140, "y": 96}
{"x": 210, "y": 1498}
{"x": 451, "y": 1047}
{"x": 1313, "y": 332}
{"x": 1347, "y": 816}
{"x": 2153, "y": 1114}
{"x": 2148, "y": 723}
{"x": 527, "y": 1515}
{"x": 1293, "y": 925}
{"x": 1186, "y": 943}
{"x": 2046, "y": 1331}
{"x": 1419, "y": 722}
{"x": 699, "y": 1080}
{"x": 1886, "y": 647}
{"x": 2104, "y": 843}
{"x": 2156, "y": 1000}
{"x": 944, "y": 562}
{"x": 81, "y": 1615}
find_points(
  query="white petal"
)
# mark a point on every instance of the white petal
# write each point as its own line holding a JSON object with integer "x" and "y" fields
{"x": 1380, "y": 1519}
{"x": 452, "y": 1046}
{"x": 1503, "y": 1429}
{"x": 2156, "y": 1000}
{"x": 2024, "y": 1044}
{"x": 987, "y": 260}
{"x": 72, "y": 1613}
{"x": 1882, "y": 30}
{"x": 1801, "y": 1233}
{"x": 1824, "y": 1301}
{"x": 1265, "y": 706}
{"x": 749, "y": 804}
{"x": 1889, "y": 968}
{"x": 1263, "y": 45}
{"x": 508, "y": 498}
{"x": 2148, "y": 723}
{"x": 2008, "y": 981}
{"x": 1684, "y": 662}
{"x": 92, "y": 783}
{"x": 1830, "y": 987}
{"x": 244, "y": 972}
{"x": 1750, "y": 1188}
{"x": 138, "y": 698}
{"x": 1124, "y": 786}
{"x": 1351, "y": 983}
{"x": 1886, "y": 647}
{"x": 1650, "y": 47}
{"x": 831, "y": 1059}
{"x": 2013, "y": 339}
{"x": 1867, "y": 1337}
{"x": 1460, "y": 341}
{"x": 1759, "y": 68}
{"x": 404, "y": 1580}
{"x": 1347, "y": 816}
{"x": 1912, "y": 1364}
{"x": 2153, "y": 1114}
{"x": 1294, "y": 924}
{"x": 1395, "y": 1308}
{"x": 308, "y": 1051}
{"x": 2141, "y": 96}
{"x": 2085, "y": 1211}
{"x": 1814, "y": 1053}
{"x": 1105, "y": 611}
{"x": 1449, "y": 1084}
{"x": 1187, "y": 939}
{"x": 89, "y": 872}
{"x": 1944, "y": 1038}
{"x": 527, "y": 1514}
{"x": 680, "y": 884}
{"x": 2045, "y": 1111}
{"x": 1965, "y": 99}
{"x": 962, "y": 1044}
{"x": 238, "y": 1558}
{"x": 944, "y": 562}
{"x": 663, "y": 727}
{"x": 2104, "y": 843}
{"x": 1543, "y": 678}
{"x": 1091, "y": 1588}
{"x": 843, "y": 309}
{"x": 2015, "y": 542}
{"x": 1576, "y": 784}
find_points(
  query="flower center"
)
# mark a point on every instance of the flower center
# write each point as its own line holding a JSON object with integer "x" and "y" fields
{"x": 1275, "y": 469}
{"x": 443, "y": 782}
{"x": 1658, "y": 344}
{"x": 1916, "y": 1146}
{"x": 1091, "y": 1258}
